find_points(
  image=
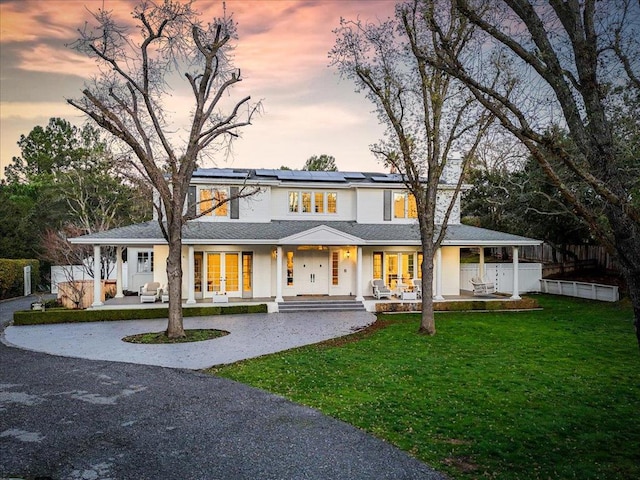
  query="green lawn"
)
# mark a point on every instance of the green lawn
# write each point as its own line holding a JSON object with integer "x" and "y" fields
{"x": 549, "y": 394}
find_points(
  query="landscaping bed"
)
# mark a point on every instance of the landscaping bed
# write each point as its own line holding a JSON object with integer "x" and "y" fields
{"x": 62, "y": 315}
{"x": 526, "y": 303}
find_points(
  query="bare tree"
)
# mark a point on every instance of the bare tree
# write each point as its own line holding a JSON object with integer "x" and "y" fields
{"x": 575, "y": 64}
{"x": 429, "y": 116}
{"x": 128, "y": 99}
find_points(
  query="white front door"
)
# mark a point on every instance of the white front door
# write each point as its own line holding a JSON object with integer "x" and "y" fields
{"x": 312, "y": 272}
{"x": 223, "y": 273}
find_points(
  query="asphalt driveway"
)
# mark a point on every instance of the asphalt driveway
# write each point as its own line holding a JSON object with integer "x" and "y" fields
{"x": 68, "y": 418}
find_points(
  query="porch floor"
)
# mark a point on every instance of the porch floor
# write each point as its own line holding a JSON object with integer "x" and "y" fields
{"x": 133, "y": 302}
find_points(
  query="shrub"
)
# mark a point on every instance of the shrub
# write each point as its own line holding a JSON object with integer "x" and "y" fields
{"x": 12, "y": 276}
{"x": 526, "y": 303}
{"x": 63, "y": 315}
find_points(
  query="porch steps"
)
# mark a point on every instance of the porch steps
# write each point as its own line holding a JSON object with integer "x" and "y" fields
{"x": 320, "y": 306}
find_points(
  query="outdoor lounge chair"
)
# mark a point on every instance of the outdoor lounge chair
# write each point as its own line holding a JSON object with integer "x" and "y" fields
{"x": 150, "y": 292}
{"x": 380, "y": 290}
{"x": 417, "y": 287}
{"x": 482, "y": 287}
{"x": 164, "y": 293}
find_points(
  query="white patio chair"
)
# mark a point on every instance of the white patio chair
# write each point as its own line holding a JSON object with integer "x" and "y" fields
{"x": 164, "y": 294}
{"x": 482, "y": 287}
{"x": 150, "y": 292}
{"x": 380, "y": 290}
{"x": 417, "y": 287}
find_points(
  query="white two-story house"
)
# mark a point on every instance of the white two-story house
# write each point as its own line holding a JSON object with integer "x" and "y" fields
{"x": 303, "y": 233}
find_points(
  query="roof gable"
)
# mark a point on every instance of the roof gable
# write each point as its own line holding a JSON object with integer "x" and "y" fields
{"x": 321, "y": 235}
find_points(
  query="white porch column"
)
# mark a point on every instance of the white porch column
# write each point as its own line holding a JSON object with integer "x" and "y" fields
{"x": 359, "y": 297}
{"x": 279, "y": 274}
{"x": 481, "y": 264}
{"x": 438, "y": 275}
{"x": 516, "y": 288}
{"x": 97, "y": 277}
{"x": 191, "y": 286}
{"x": 119, "y": 293}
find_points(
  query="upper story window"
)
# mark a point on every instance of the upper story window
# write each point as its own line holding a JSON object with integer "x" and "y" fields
{"x": 404, "y": 205}
{"x": 313, "y": 202}
{"x": 209, "y": 197}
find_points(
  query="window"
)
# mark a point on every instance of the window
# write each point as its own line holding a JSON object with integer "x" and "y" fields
{"x": 210, "y": 197}
{"x": 398, "y": 205}
{"x": 335, "y": 267}
{"x": 313, "y": 202}
{"x": 404, "y": 206}
{"x": 412, "y": 208}
{"x": 319, "y": 202}
{"x": 377, "y": 265}
{"x": 332, "y": 202}
{"x": 293, "y": 202}
{"x": 145, "y": 262}
{"x": 306, "y": 202}
{"x": 289, "y": 268}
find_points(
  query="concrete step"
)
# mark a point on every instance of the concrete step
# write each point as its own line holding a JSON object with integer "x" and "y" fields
{"x": 321, "y": 306}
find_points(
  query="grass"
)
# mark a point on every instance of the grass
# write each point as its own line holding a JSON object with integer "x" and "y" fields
{"x": 549, "y": 394}
{"x": 192, "y": 335}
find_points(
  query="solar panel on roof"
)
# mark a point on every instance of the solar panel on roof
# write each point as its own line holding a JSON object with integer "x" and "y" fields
{"x": 220, "y": 173}
{"x": 353, "y": 175}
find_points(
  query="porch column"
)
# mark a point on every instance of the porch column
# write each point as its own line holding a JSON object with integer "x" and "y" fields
{"x": 191, "y": 286}
{"x": 97, "y": 277}
{"x": 279, "y": 274}
{"x": 516, "y": 288}
{"x": 119, "y": 293}
{"x": 481, "y": 264}
{"x": 359, "y": 297}
{"x": 438, "y": 275}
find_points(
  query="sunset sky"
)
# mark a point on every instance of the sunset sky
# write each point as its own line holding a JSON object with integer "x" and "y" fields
{"x": 282, "y": 52}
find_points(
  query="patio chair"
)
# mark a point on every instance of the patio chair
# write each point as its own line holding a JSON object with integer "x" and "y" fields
{"x": 417, "y": 287}
{"x": 380, "y": 290}
{"x": 150, "y": 292}
{"x": 164, "y": 294}
{"x": 482, "y": 287}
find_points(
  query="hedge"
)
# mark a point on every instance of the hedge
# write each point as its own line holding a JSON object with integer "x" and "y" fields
{"x": 526, "y": 303}
{"x": 12, "y": 276}
{"x": 63, "y": 315}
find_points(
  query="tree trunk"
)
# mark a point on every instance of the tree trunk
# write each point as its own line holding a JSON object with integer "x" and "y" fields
{"x": 175, "y": 328}
{"x": 427, "y": 318}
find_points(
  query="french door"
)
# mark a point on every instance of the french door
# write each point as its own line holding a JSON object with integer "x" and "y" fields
{"x": 223, "y": 273}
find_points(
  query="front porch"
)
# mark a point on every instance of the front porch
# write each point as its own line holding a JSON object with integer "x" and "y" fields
{"x": 370, "y": 303}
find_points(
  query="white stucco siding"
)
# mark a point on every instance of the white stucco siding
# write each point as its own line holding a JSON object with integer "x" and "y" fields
{"x": 256, "y": 208}
{"x": 370, "y": 206}
{"x": 442, "y": 204}
{"x": 450, "y": 271}
{"x": 160, "y": 255}
{"x": 262, "y": 267}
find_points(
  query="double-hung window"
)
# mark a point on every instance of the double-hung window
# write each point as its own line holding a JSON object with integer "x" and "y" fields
{"x": 210, "y": 197}
{"x": 404, "y": 205}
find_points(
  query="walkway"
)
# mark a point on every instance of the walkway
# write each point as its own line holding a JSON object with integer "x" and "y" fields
{"x": 250, "y": 336}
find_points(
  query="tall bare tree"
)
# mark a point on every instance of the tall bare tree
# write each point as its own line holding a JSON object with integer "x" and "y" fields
{"x": 128, "y": 98}
{"x": 428, "y": 115}
{"x": 575, "y": 64}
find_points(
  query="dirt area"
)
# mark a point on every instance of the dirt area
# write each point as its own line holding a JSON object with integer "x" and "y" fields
{"x": 592, "y": 276}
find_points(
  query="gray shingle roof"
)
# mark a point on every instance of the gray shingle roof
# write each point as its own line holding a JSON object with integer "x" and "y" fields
{"x": 273, "y": 232}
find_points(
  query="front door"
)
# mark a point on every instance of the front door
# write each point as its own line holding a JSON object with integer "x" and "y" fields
{"x": 223, "y": 273}
{"x": 312, "y": 272}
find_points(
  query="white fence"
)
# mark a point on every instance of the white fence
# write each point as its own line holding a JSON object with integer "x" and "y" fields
{"x": 501, "y": 274}
{"x": 593, "y": 291}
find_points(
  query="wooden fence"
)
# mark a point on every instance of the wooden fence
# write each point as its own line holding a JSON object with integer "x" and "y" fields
{"x": 574, "y": 257}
